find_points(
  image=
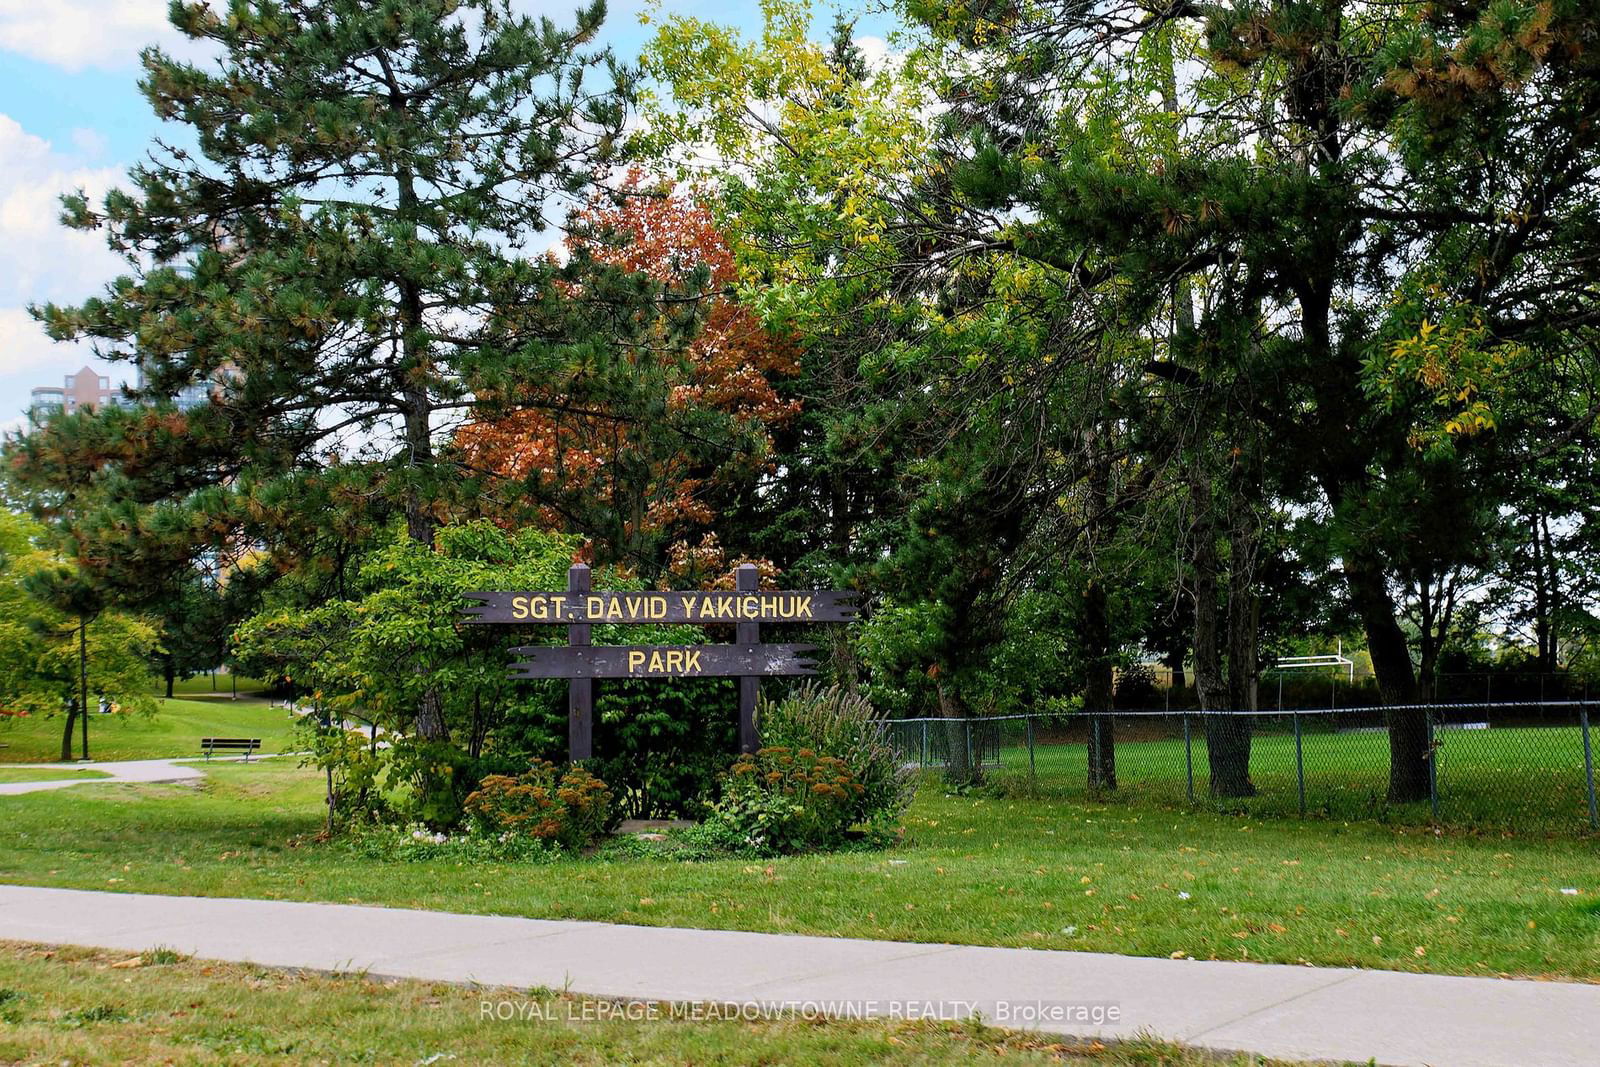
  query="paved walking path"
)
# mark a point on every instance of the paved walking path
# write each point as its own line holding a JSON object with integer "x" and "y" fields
{"x": 136, "y": 770}
{"x": 1291, "y": 1012}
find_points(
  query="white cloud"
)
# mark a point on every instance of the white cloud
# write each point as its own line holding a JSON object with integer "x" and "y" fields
{"x": 875, "y": 50}
{"x": 75, "y": 34}
{"x": 25, "y": 350}
{"x": 92, "y": 143}
{"x": 41, "y": 260}
{"x": 109, "y": 34}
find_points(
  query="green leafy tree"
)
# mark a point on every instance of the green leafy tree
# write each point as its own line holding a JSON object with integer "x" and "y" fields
{"x": 1377, "y": 217}
{"x": 973, "y": 395}
{"x": 60, "y": 651}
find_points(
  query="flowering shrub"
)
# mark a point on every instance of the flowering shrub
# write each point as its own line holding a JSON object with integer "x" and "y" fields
{"x": 569, "y": 808}
{"x": 787, "y": 800}
{"x": 842, "y": 723}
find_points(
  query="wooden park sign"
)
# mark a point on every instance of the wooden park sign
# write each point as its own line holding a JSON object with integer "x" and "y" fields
{"x": 579, "y": 608}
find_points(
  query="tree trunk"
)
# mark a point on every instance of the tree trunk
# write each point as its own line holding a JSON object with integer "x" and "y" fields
{"x": 1545, "y": 594}
{"x": 1229, "y": 753}
{"x": 476, "y": 730}
{"x": 960, "y": 770}
{"x": 171, "y": 674}
{"x": 415, "y": 372}
{"x": 66, "y": 735}
{"x": 1437, "y": 600}
{"x": 1397, "y": 685}
{"x": 430, "y": 717}
{"x": 1222, "y": 691}
{"x": 83, "y": 680}
{"x": 1097, "y": 690}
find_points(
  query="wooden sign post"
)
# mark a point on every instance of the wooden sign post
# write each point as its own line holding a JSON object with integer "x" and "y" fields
{"x": 580, "y": 691}
{"x": 746, "y": 607}
{"x": 748, "y": 579}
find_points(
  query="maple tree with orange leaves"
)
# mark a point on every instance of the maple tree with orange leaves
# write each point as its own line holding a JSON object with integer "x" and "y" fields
{"x": 626, "y": 454}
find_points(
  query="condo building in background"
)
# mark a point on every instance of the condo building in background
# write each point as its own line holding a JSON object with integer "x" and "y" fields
{"x": 86, "y": 389}
{"x": 90, "y": 389}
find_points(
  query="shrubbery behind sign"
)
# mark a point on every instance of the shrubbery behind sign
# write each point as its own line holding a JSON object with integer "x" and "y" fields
{"x": 580, "y": 608}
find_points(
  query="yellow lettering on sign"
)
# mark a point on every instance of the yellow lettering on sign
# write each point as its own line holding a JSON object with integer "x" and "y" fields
{"x": 615, "y": 610}
{"x": 727, "y": 609}
{"x": 802, "y": 608}
{"x": 692, "y": 662}
{"x": 750, "y": 607}
{"x": 658, "y": 607}
{"x": 635, "y": 661}
{"x": 655, "y": 660}
{"x": 674, "y": 660}
{"x": 635, "y": 606}
{"x": 519, "y": 607}
{"x": 540, "y": 607}
{"x": 558, "y": 606}
{"x": 593, "y": 606}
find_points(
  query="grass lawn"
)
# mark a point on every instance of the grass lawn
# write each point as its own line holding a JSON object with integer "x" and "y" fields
{"x": 173, "y": 731}
{"x": 45, "y": 774}
{"x": 83, "y": 1006}
{"x": 1135, "y": 878}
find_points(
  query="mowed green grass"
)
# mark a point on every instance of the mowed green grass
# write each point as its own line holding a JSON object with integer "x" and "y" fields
{"x": 71, "y": 1005}
{"x": 1133, "y": 877}
{"x": 46, "y": 774}
{"x": 174, "y": 731}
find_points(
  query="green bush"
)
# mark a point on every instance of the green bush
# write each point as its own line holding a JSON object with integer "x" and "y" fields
{"x": 784, "y": 800}
{"x": 570, "y": 808}
{"x": 843, "y": 724}
{"x": 662, "y": 744}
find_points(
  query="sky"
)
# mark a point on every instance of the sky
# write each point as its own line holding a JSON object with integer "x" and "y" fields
{"x": 71, "y": 117}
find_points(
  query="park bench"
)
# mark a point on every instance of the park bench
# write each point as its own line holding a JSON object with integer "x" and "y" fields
{"x": 246, "y": 745}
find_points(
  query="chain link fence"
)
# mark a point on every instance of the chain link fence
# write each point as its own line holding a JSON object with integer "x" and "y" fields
{"x": 1501, "y": 766}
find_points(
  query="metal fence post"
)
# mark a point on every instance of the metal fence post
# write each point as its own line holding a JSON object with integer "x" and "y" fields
{"x": 1029, "y": 721}
{"x": 1299, "y": 764}
{"x": 1188, "y": 756}
{"x": 1588, "y": 768}
{"x": 924, "y": 742}
{"x": 1433, "y": 767}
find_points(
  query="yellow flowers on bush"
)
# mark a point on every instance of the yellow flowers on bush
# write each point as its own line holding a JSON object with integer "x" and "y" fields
{"x": 567, "y": 807}
{"x": 788, "y": 800}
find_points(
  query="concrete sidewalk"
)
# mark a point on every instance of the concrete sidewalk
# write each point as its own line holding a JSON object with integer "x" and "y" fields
{"x": 1291, "y": 1012}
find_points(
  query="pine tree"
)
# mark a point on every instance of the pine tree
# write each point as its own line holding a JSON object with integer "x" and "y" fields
{"x": 340, "y": 258}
